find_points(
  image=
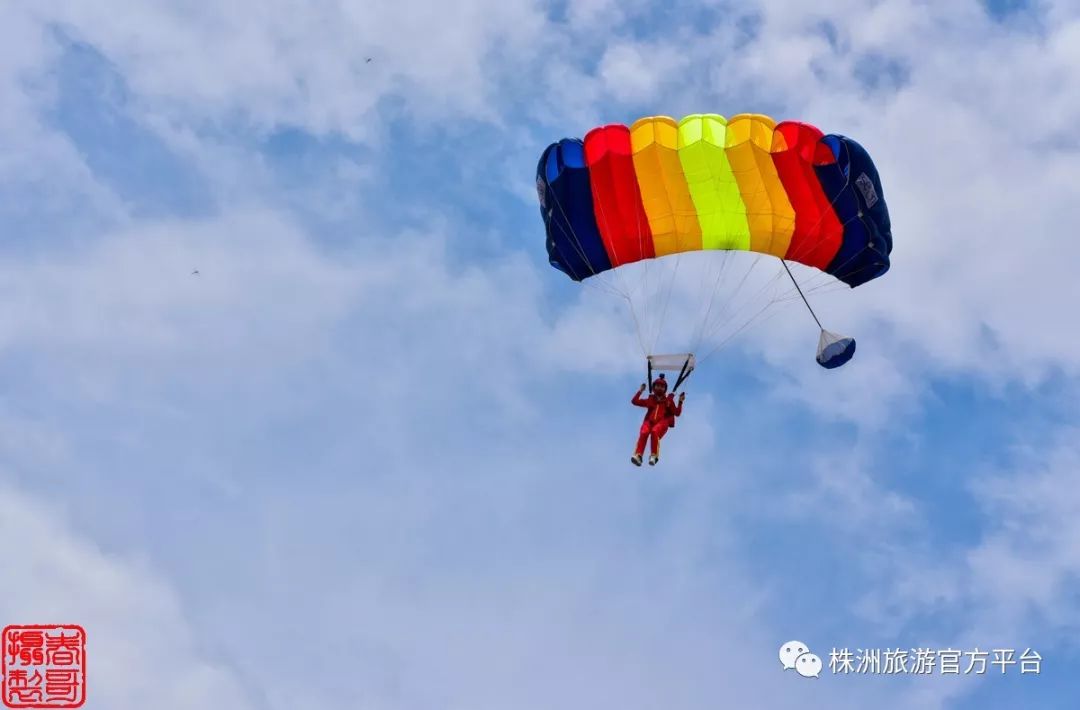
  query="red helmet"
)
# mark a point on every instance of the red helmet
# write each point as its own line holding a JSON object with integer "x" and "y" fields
{"x": 660, "y": 382}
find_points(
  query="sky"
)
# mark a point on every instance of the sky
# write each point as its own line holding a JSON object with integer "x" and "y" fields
{"x": 376, "y": 453}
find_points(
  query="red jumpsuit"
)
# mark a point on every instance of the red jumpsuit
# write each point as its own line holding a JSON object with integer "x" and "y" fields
{"x": 659, "y": 418}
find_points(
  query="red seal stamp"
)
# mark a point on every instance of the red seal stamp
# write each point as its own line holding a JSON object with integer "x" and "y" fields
{"x": 44, "y": 666}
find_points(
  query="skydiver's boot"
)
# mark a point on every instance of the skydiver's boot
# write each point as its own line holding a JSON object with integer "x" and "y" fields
{"x": 653, "y": 459}
{"x": 636, "y": 459}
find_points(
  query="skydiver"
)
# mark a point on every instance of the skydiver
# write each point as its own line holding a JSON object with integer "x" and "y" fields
{"x": 660, "y": 417}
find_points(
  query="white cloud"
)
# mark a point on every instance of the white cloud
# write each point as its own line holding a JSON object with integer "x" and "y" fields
{"x": 635, "y": 72}
{"x": 141, "y": 651}
{"x": 288, "y": 62}
{"x": 134, "y": 296}
{"x": 595, "y": 13}
{"x": 41, "y": 173}
{"x": 1011, "y": 588}
{"x": 1029, "y": 559}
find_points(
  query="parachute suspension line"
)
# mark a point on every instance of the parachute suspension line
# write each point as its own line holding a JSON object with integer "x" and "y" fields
{"x": 720, "y": 322}
{"x": 667, "y": 300}
{"x": 612, "y": 289}
{"x": 801, "y": 294}
{"x": 644, "y": 281}
{"x": 763, "y": 292}
{"x": 702, "y": 328}
{"x": 573, "y": 235}
{"x": 753, "y": 319}
{"x": 704, "y": 272}
{"x": 637, "y": 326}
{"x": 712, "y": 298}
{"x": 599, "y": 282}
{"x": 728, "y": 339}
{"x": 728, "y": 313}
{"x": 716, "y": 266}
{"x": 619, "y": 288}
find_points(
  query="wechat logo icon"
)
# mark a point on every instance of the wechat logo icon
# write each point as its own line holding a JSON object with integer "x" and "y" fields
{"x": 795, "y": 655}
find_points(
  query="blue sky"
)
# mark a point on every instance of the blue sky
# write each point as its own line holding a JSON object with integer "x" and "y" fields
{"x": 376, "y": 453}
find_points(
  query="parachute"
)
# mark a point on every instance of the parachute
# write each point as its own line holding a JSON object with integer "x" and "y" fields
{"x": 627, "y": 197}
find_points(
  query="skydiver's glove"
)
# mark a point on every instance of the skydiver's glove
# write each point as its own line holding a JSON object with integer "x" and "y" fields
{"x": 641, "y": 389}
{"x": 682, "y": 396}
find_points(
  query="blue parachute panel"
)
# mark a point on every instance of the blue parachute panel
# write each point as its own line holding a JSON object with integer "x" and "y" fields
{"x": 853, "y": 186}
{"x": 574, "y": 244}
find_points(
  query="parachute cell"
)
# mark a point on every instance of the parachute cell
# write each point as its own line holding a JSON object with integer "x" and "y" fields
{"x": 616, "y": 195}
{"x": 818, "y": 233}
{"x": 665, "y": 195}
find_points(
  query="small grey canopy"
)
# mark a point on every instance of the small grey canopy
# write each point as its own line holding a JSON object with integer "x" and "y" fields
{"x": 834, "y": 350}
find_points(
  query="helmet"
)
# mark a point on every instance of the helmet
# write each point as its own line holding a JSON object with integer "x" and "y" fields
{"x": 660, "y": 382}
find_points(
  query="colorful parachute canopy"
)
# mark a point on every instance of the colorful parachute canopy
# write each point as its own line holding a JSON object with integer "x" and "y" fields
{"x": 745, "y": 183}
